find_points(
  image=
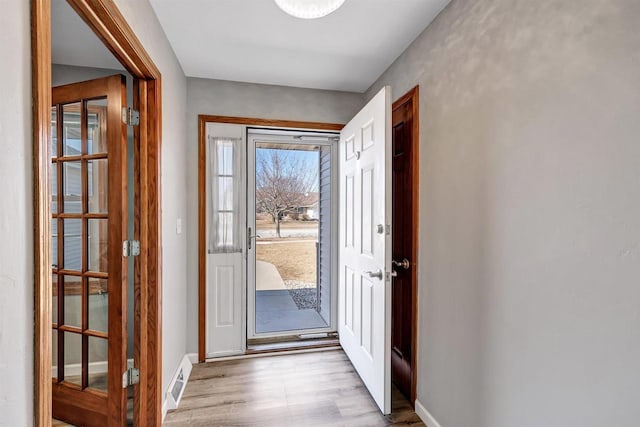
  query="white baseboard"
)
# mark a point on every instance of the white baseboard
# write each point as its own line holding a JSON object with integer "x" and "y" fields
{"x": 425, "y": 416}
{"x": 170, "y": 401}
{"x": 75, "y": 369}
{"x": 220, "y": 354}
{"x": 193, "y": 358}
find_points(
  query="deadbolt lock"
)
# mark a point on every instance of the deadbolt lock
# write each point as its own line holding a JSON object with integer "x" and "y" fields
{"x": 402, "y": 264}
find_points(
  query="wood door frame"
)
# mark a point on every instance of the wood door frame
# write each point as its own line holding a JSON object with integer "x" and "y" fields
{"x": 106, "y": 21}
{"x": 203, "y": 119}
{"x": 413, "y": 96}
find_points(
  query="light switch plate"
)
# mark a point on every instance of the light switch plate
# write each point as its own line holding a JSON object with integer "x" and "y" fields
{"x": 179, "y": 226}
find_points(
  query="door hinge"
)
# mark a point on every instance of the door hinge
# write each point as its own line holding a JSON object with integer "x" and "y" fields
{"x": 130, "y": 377}
{"x": 130, "y": 248}
{"x": 130, "y": 117}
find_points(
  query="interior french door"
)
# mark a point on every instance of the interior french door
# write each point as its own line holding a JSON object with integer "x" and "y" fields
{"x": 89, "y": 212}
{"x": 365, "y": 246}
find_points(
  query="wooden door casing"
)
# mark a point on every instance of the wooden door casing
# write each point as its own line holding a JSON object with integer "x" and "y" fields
{"x": 79, "y": 403}
{"x": 405, "y": 224}
{"x": 107, "y": 22}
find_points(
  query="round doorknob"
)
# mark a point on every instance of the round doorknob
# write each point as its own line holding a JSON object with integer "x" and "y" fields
{"x": 374, "y": 274}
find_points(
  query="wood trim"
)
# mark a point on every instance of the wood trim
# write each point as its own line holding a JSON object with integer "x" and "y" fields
{"x": 251, "y": 121}
{"x": 104, "y": 18}
{"x": 76, "y": 288}
{"x": 413, "y": 96}
{"x": 203, "y": 119}
{"x": 117, "y": 143}
{"x": 140, "y": 314}
{"x": 149, "y": 353}
{"x": 95, "y": 411}
{"x": 202, "y": 250}
{"x": 73, "y": 93}
{"x": 84, "y": 232}
{"x": 41, "y": 87}
{"x": 108, "y": 23}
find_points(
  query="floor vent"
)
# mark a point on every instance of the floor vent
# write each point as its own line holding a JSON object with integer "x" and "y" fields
{"x": 177, "y": 386}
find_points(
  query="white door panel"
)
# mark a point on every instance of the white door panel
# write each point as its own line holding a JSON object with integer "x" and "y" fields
{"x": 365, "y": 245}
{"x": 224, "y": 304}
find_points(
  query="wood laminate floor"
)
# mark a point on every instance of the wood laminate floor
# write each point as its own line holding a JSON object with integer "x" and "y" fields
{"x": 309, "y": 389}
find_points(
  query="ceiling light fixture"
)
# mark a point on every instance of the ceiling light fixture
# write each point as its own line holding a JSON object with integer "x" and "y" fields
{"x": 309, "y": 9}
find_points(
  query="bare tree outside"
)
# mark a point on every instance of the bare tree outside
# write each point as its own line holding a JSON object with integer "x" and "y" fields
{"x": 283, "y": 179}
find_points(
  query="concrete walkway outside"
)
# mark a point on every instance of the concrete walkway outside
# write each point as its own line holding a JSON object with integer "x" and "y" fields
{"x": 267, "y": 277}
{"x": 275, "y": 309}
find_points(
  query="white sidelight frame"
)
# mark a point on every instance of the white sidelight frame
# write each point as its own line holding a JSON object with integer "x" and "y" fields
{"x": 226, "y": 331}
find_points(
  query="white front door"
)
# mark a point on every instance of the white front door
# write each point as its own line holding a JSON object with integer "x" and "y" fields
{"x": 365, "y": 246}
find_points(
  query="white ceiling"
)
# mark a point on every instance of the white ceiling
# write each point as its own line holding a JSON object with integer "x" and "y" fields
{"x": 74, "y": 43}
{"x": 254, "y": 41}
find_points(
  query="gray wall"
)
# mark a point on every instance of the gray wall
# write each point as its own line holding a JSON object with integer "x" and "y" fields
{"x": 64, "y": 74}
{"x": 143, "y": 21}
{"x": 216, "y": 97}
{"x": 529, "y": 265}
{"x": 16, "y": 217}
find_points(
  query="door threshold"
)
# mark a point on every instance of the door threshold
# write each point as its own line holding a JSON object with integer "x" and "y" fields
{"x": 248, "y": 355}
{"x": 290, "y": 345}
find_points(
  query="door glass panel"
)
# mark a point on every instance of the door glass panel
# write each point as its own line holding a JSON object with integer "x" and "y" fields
{"x": 54, "y": 298}
{"x": 54, "y": 132}
{"x": 54, "y": 187}
{"x": 72, "y": 244}
{"x": 54, "y": 355}
{"x": 72, "y": 357}
{"x": 73, "y": 301}
{"x": 225, "y": 193}
{"x": 287, "y": 197}
{"x": 72, "y": 186}
{"x": 98, "y": 305}
{"x": 97, "y": 185}
{"x": 98, "y": 243}
{"x": 71, "y": 136}
{"x": 54, "y": 243}
{"x": 225, "y": 165}
{"x": 96, "y": 128}
{"x": 98, "y": 356}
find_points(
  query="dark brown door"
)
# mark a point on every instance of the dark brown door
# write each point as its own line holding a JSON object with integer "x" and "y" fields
{"x": 89, "y": 208}
{"x": 402, "y": 318}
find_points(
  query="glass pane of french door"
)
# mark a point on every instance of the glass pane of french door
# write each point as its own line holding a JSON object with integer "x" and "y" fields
{"x": 79, "y": 243}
